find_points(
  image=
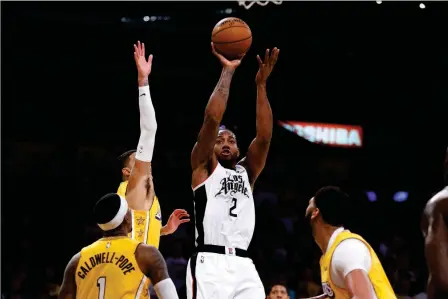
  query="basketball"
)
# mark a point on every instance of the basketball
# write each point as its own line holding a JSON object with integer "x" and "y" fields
{"x": 232, "y": 37}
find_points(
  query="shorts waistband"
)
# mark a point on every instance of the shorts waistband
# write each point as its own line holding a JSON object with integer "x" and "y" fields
{"x": 223, "y": 250}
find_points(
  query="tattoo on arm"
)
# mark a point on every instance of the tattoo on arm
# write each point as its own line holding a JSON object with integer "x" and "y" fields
{"x": 157, "y": 270}
{"x": 143, "y": 82}
{"x": 223, "y": 86}
{"x": 214, "y": 112}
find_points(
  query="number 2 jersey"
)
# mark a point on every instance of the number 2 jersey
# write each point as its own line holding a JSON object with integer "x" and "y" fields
{"x": 224, "y": 209}
{"x": 108, "y": 269}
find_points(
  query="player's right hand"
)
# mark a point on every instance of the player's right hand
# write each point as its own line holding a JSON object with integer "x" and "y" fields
{"x": 224, "y": 61}
{"x": 143, "y": 66}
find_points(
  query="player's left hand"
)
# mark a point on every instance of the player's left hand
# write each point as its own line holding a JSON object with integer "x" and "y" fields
{"x": 178, "y": 217}
{"x": 266, "y": 66}
{"x": 143, "y": 66}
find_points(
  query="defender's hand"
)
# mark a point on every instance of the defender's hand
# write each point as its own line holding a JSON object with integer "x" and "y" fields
{"x": 266, "y": 66}
{"x": 224, "y": 61}
{"x": 178, "y": 217}
{"x": 143, "y": 66}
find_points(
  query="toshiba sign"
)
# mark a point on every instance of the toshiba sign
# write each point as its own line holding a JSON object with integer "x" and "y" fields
{"x": 328, "y": 134}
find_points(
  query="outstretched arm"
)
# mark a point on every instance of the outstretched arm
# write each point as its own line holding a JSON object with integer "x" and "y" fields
{"x": 259, "y": 148}
{"x": 178, "y": 217}
{"x": 139, "y": 192}
{"x": 202, "y": 152}
{"x": 68, "y": 288}
{"x": 153, "y": 265}
{"x": 436, "y": 243}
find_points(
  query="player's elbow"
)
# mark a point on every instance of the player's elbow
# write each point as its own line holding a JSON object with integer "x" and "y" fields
{"x": 149, "y": 127}
{"x": 158, "y": 270}
{"x": 264, "y": 138}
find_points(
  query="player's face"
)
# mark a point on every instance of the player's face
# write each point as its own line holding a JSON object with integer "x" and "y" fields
{"x": 278, "y": 292}
{"x": 226, "y": 148}
{"x": 311, "y": 212}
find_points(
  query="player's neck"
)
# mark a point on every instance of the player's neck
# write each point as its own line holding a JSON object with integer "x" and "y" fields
{"x": 323, "y": 236}
{"x": 228, "y": 164}
{"x": 118, "y": 233}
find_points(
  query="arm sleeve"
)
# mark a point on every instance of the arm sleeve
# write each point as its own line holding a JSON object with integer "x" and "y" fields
{"x": 148, "y": 126}
{"x": 165, "y": 289}
{"x": 351, "y": 254}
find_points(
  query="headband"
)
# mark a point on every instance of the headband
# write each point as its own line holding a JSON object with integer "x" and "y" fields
{"x": 119, "y": 217}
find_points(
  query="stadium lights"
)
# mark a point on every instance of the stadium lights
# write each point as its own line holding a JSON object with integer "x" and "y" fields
{"x": 401, "y": 196}
{"x": 371, "y": 196}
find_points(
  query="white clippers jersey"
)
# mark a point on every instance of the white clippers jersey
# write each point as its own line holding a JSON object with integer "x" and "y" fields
{"x": 224, "y": 209}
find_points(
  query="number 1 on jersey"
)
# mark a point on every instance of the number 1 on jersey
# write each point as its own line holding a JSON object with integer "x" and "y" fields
{"x": 101, "y": 284}
{"x": 233, "y": 208}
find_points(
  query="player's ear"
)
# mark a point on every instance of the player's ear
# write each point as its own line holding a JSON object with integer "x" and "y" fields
{"x": 126, "y": 171}
{"x": 237, "y": 152}
{"x": 315, "y": 213}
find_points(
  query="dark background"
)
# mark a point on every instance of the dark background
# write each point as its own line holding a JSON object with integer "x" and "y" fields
{"x": 69, "y": 108}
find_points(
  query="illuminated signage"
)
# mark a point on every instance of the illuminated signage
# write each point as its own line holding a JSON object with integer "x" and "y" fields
{"x": 328, "y": 134}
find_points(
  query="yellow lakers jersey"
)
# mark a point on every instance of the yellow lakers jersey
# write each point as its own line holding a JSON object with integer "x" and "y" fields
{"x": 377, "y": 276}
{"x": 146, "y": 224}
{"x": 108, "y": 269}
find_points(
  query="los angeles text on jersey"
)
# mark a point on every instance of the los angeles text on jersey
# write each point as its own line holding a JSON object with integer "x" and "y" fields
{"x": 114, "y": 258}
{"x": 233, "y": 183}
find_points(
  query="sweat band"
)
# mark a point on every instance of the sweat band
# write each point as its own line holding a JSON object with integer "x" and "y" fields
{"x": 119, "y": 217}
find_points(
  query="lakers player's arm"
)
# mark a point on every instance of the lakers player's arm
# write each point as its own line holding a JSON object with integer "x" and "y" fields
{"x": 436, "y": 243}
{"x": 259, "y": 148}
{"x": 153, "y": 265}
{"x": 68, "y": 288}
{"x": 350, "y": 263}
{"x": 140, "y": 191}
{"x": 202, "y": 153}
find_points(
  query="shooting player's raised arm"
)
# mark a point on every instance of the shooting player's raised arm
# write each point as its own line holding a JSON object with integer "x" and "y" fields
{"x": 139, "y": 180}
{"x": 202, "y": 152}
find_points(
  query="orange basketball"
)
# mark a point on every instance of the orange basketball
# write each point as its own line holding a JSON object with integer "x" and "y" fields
{"x": 232, "y": 37}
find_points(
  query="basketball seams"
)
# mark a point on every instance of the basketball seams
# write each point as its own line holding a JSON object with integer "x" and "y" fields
{"x": 235, "y": 41}
{"x": 222, "y": 29}
{"x": 232, "y": 43}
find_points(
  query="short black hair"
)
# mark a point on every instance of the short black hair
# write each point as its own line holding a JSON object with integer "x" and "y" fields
{"x": 124, "y": 157}
{"x": 278, "y": 283}
{"x": 333, "y": 204}
{"x": 106, "y": 208}
{"x": 223, "y": 128}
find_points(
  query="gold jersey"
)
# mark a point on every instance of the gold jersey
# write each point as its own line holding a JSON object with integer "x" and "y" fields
{"x": 146, "y": 225}
{"x": 108, "y": 269}
{"x": 377, "y": 276}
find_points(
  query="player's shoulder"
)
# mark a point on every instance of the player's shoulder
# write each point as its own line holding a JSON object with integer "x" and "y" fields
{"x": 73, "y": 263}
{"x": 351, "y": 245}
{"x": 146, "y": 252}
{"x": 437, "y": 202}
